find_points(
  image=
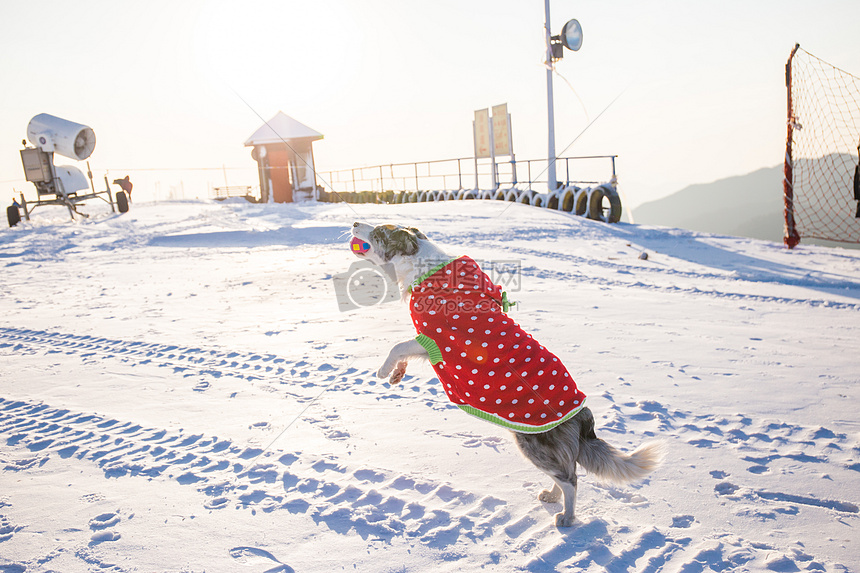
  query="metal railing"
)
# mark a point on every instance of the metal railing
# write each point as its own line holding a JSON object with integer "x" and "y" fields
{"x": 466, "y": 173}
{"x": 227, "y": 191}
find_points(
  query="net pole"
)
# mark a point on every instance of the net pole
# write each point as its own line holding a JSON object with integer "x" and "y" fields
{"x": 792, "y": 237}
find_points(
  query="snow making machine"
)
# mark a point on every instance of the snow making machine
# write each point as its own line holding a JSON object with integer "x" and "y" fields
{"x": 60, "y": 184}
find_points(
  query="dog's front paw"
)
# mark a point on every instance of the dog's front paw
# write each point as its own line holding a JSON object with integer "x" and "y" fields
{"x": 562, "y": 520}
{"x": 549, "y": 496}
{"x": 384, "y": 371}
{"x": 398, "y": 374}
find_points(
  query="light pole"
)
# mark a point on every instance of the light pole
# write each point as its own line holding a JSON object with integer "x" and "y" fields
{"x": 570, "y": 38}
{"x": 552, "y": 183}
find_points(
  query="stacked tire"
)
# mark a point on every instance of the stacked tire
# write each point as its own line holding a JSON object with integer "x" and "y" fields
{"x": 600, "y": 203}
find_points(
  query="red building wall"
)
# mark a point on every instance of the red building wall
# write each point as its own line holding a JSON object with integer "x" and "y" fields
{"x": 278, "y": 157}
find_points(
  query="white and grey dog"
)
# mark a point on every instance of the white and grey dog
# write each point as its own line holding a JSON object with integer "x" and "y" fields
{"x": 556, "y": 447}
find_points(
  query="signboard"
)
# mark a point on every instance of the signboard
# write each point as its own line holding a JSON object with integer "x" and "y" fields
{"x": 482, "y": 133}
{"x": 501, "y": 130}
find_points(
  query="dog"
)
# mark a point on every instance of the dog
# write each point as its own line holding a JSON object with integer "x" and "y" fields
{"x": 491, "y": 368}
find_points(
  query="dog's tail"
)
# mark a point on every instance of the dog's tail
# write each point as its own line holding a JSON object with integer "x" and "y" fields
{"x": 609, "y": 464}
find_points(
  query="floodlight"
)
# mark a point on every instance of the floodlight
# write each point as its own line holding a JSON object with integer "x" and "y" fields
{"x": 571, "y": 35}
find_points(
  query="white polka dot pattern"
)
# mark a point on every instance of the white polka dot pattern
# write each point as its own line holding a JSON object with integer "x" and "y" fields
{"x": 537, "y": 399}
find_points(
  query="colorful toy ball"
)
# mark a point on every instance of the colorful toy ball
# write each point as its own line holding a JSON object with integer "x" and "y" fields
{"x": 358, "y": 247}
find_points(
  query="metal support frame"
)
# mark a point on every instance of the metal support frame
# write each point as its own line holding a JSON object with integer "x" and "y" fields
{"x": 60, "y": 196}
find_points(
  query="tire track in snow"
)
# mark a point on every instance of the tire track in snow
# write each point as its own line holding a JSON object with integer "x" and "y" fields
{"x": 297, "y": 379}
{"x": 381, "y": 504}
{"x": 714, "y": 282}
{"x": 370, "y": 501}
{"x": 728, "y": 294}
{"x": 187, "y": 361}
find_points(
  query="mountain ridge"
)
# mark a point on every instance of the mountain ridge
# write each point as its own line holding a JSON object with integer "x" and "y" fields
{"x": 749, "y": 205}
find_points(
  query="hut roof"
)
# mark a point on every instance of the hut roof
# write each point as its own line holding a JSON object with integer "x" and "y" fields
{"x": 280, "y": 128}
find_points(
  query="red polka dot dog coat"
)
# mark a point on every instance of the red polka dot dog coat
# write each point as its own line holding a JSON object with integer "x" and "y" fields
{"x": 488, "y": 365}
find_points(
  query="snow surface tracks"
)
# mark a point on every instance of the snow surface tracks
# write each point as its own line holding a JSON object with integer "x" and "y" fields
{"x": 377, "y": 503}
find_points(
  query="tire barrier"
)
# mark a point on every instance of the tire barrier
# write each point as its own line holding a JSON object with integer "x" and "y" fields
{"x": 581, "y": 202}
{"x": 604, "y": 204}
{"x": 566, "y": 199}
{"x": 526, "y": 197}
{"x": 601, "y": 203}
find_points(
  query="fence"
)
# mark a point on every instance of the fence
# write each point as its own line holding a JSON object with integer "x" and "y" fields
{"x": 465, "y": 173}
{"x": 225, "y": 192}
{"x": 445, "y": 180}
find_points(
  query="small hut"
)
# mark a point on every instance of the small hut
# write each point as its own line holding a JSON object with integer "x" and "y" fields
{"x": 283, "y": 150}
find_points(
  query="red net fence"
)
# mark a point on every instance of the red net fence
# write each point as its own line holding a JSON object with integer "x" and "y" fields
{"x": 822, "y": 179}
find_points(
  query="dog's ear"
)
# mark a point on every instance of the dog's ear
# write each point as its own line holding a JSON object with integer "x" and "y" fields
{"x": 417, "y": 233}
{"x": 380, "y": 235}
{"x": 400, "y": 242}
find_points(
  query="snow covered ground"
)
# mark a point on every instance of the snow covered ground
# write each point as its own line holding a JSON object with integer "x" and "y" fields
{"x": 179, "y": 391}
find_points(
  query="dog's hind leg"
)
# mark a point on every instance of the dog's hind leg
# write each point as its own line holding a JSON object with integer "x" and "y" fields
{"x": 565, "y": 492}
{"x": 565, "y": 518}
{"x": 550, "y": 496}
{"x": 555, "y": 453}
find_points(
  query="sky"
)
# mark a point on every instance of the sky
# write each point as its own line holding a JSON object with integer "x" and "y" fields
{"x": 173, "y": 89}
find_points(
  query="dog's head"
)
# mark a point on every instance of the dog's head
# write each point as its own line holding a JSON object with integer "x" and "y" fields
{"x": 388, "y": 242}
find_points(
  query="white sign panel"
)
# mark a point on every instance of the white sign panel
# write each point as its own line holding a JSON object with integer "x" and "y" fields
{"x": 501, "y": 130}
{"x": 482, "y": 133}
